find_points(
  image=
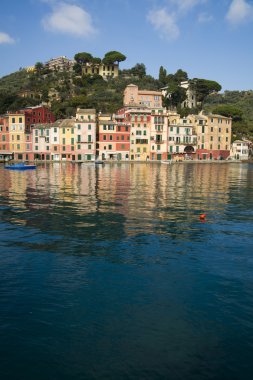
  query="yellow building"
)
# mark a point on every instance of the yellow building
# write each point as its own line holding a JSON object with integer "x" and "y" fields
{"x": 140, "y": 119}
{"x": 106, "y": 71}
{"x": 214, "y": 136}
{"x": 17, "y": 132}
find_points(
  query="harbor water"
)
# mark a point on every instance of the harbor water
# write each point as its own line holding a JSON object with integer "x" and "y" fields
{"x": 108, "y": 272}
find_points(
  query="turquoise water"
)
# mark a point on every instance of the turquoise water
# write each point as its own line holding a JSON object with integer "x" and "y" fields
{"x": 108, "y": 273}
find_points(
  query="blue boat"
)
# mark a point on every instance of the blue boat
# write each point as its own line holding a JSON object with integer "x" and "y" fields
{"x": 20, "y": 166}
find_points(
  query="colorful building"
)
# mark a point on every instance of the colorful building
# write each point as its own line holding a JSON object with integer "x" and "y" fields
{"x": 4, "y": 139}
{"x": 106, "y": 71}
{"x": 140, "y": 119}
{"x": 158, "y": 134}
{"x": 85, "y": 129}
{"x": 135, "y": 97}
{"x": 214, "y": 136}
{"x": 182, "y": 138}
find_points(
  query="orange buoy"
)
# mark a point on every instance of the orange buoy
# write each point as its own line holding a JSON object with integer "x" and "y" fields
{"x": 202, "y": 216}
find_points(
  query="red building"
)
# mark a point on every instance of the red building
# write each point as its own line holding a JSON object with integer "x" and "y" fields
{"x": 37, "y": 115}
{"x": 113, "y": 137}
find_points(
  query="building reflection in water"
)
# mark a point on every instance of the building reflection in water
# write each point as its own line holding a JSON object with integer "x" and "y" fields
{"x": 119, "y": 200}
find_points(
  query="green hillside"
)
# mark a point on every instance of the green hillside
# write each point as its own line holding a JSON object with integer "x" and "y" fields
{"x": 238, "y": 105}
{"x": 64, "y": 91}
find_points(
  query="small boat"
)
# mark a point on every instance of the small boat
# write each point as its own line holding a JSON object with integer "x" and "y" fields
{"x": 99, "y": 162}
{"x": 168, "y": 162}
{"x": 20, "y": 166}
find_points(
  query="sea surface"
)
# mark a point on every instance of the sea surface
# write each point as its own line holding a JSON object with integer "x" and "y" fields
{"x": 107, "y": 272}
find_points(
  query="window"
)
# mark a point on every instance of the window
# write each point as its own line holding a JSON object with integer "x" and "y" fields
{"x": 211, "y": 138}
{"x": 89, "y": 126}
{"x": 55, "y": 130}
{"x": 104, "y": 137}
{"x": 126, "y": 129}
{"x": 177, "y": 130}
{"x": 122, "y": 146}
{"x": 219, "y": 146}
{"x": 63, "y": 148}
{"x": 219, "y": 130}
{"x": 89, "y": 138}
{"x": 36, "y": 140}
{"x": 55, "y": 139}
{"x": 226, "y": 130}
{"x": 47, "y": 147}
{"x": 119, "y": 129}
{"x": 122, "y": 137}
{"x": 138, "y": 150}
{"x": 13, "y": 119}
{"x": 36, "y": 147}
{"x": 110, "y": 147}
{"x": 171, "y": 129}
{"x": 79, "y": 126}
{"x": 202, "y": 146}
{"x": 72, "y": 131}
{"x": 36, "y": 132}
{"x": 27, "y": 146}
{"x": 203, "y": 129}
{"x": 211, "y": 129}
{"x": 110, "y": 137}
{"x": 63, "y": 141}
{"x": 47, "y": 132}
{"x": 104, "y": 127}
{"x": 78, "y": 138}
{"x": 79, "y": 147}
{"x": 72, "y": 147}
{"x": 145, "y": 133}
{"x": 89, "y": 147}
{"x": 63, "y": 130}
{"x": 72, "y": 140}
{"x": 177, "y": 148}
{"x": 55, "y": 148}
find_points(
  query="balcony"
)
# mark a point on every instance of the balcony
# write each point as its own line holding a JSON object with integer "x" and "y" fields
{"x": 158, "y": 141}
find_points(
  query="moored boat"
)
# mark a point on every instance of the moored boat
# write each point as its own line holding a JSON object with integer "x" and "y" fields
{"x": 20, "y": 166}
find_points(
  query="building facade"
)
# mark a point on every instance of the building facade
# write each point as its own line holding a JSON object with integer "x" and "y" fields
{"x": 135, "y": 97}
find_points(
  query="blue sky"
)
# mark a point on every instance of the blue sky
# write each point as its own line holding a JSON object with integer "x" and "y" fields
{"x": 209, "y": 39}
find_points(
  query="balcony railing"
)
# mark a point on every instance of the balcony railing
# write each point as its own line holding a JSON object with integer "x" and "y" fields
{"x": 158, "y": 141}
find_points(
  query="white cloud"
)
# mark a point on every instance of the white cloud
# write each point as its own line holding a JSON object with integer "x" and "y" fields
{"x": 164, "y": 23}
{"x": 69, "y": 19}
{"x": 186, "y": 5}
{"x": 239, "y": 12}
{"x": 6, "y": 39}
{"x": 205, "y": 17}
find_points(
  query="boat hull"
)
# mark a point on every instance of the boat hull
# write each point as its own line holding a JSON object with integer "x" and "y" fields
{"x": 20, "y": 168}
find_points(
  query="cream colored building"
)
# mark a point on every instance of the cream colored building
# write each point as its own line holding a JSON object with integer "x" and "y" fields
{"x": 182, "y": 138}
{"x": 106, "y": 71}
{"x": 158, "y": 134}
{"x": 240, "y": 150}
{"x": 135, "y": 97}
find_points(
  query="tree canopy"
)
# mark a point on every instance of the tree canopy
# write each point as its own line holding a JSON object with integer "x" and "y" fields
{"x": 204, "y": 87}
{"x": 113, "y": 56}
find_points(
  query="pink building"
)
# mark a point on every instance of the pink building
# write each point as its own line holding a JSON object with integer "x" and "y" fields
{"x": 135, "y": 97}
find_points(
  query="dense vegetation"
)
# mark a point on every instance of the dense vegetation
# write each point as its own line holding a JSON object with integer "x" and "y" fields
{"x": 238, "y": 105}
{"x": 64, "y": 91}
